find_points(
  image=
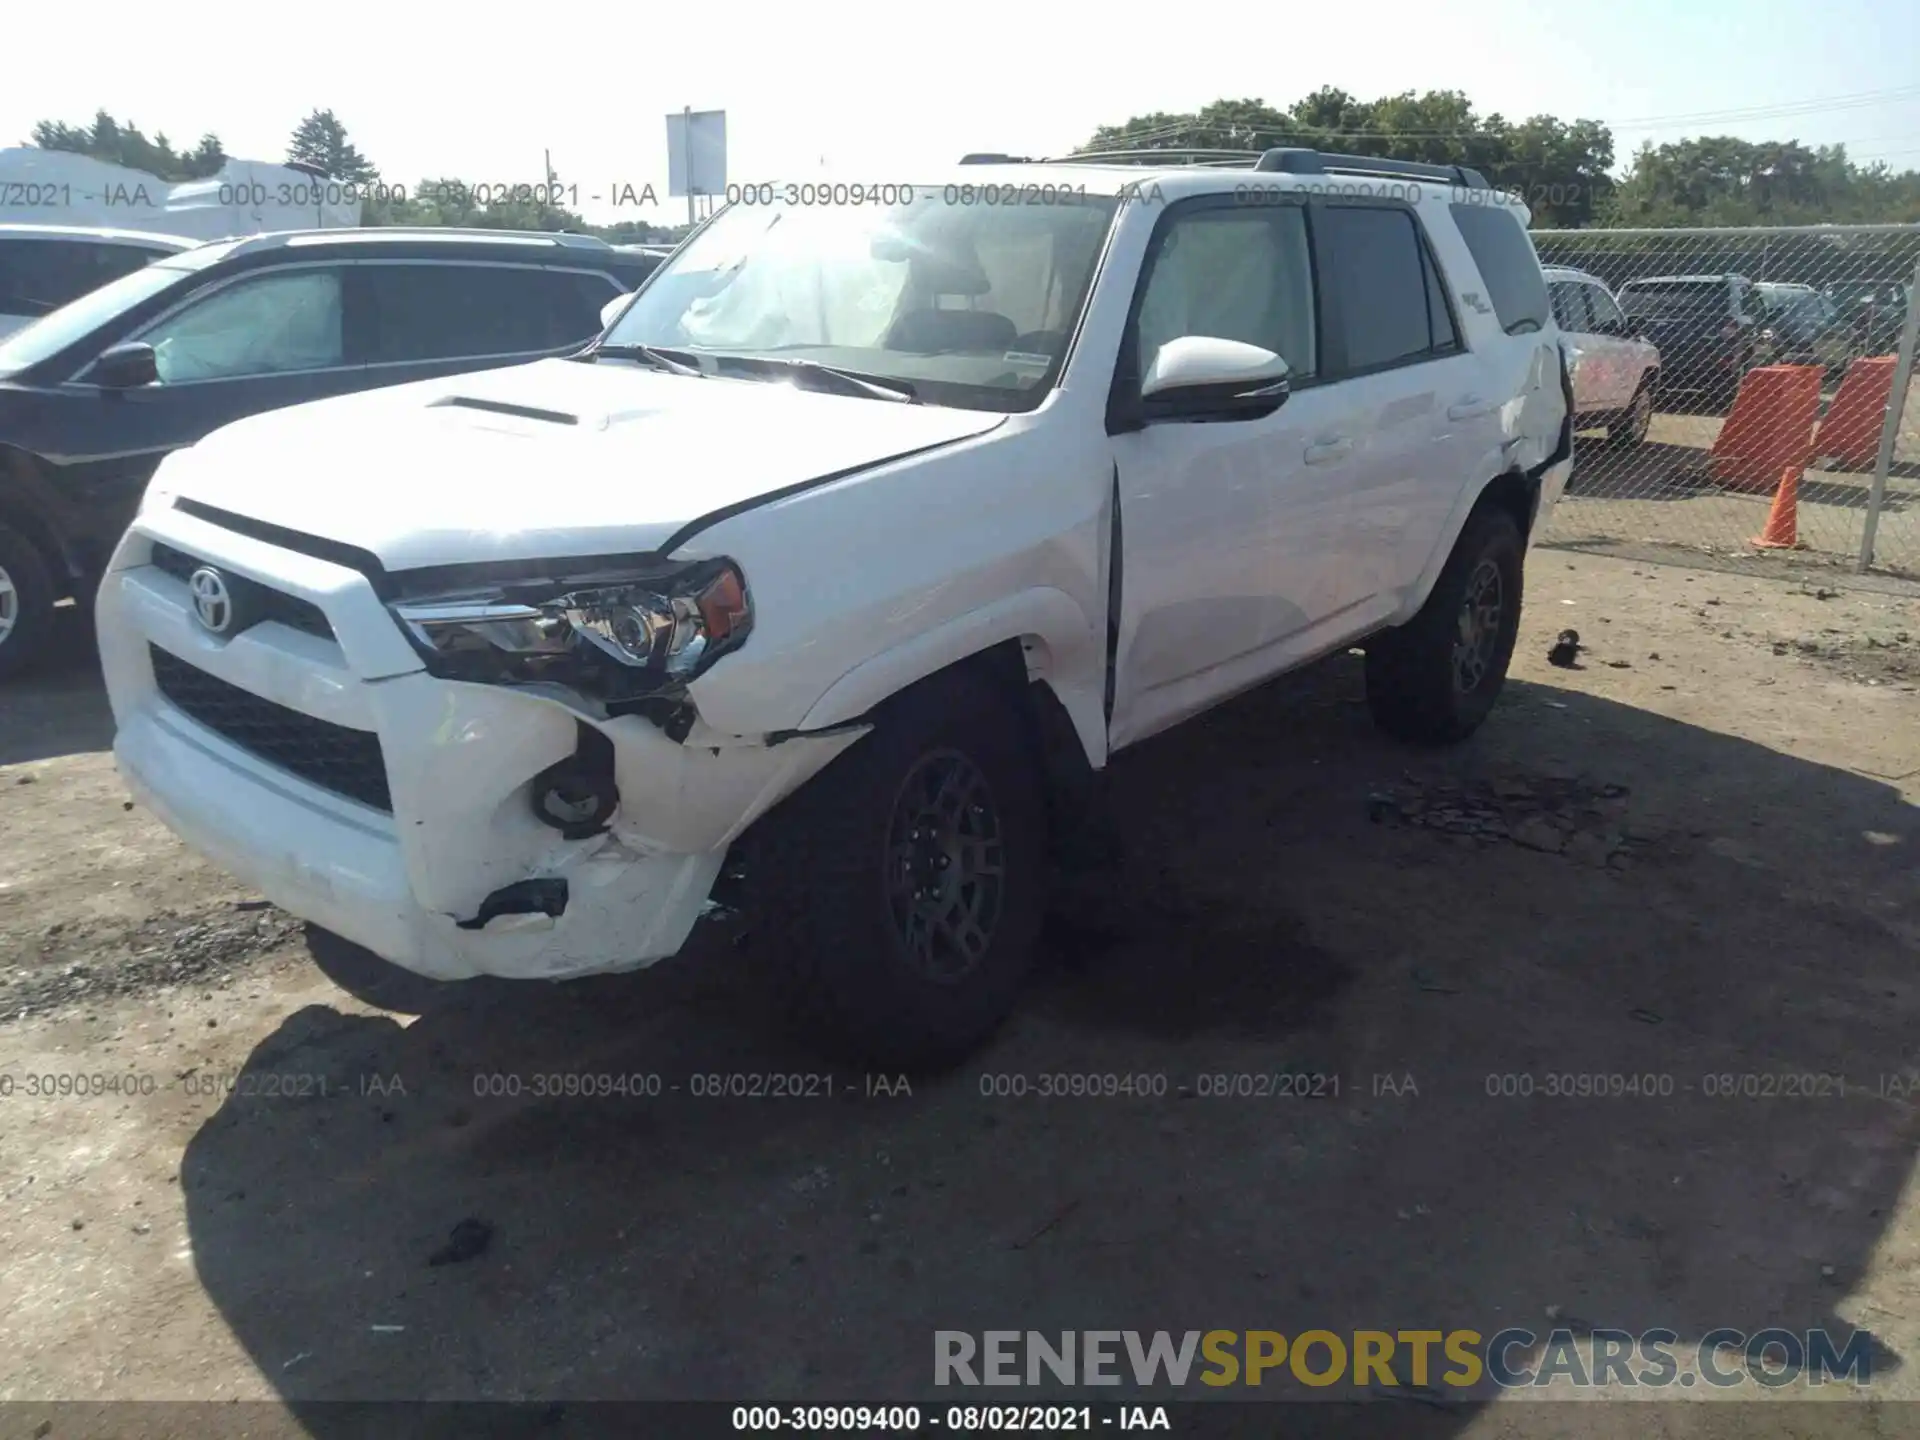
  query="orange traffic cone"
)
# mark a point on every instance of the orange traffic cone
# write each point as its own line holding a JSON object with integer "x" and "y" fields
{"x": 1782, "y": 530}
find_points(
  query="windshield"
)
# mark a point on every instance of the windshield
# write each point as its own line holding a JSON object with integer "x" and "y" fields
{"x": 40, "y": 273}
{"x": 1657, "y": 298}
{"x": 971, "y": 304}
{"x": 53, "y": 333}
{"x": 1672, "y": 297}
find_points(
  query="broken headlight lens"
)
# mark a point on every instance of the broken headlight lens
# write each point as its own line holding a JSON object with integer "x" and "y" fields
{"x": 615, "y": 639}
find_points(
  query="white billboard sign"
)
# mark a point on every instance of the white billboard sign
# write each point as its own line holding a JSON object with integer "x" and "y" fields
{"x": 697, "y": 152}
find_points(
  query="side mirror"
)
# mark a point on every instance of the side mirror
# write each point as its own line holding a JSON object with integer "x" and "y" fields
{"x": 126, "y": 367}
{"x": 610, "y": 311}
{"x": 1205, "y": 376}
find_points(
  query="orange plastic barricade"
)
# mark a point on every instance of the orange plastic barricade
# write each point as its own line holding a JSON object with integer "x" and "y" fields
{"x": 1850, "y": 433}
{"x": 1771, "y": 427}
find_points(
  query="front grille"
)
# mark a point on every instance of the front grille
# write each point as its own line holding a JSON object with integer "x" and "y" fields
{"x": 334, "y": 757}
{"x": 259, "y": 602}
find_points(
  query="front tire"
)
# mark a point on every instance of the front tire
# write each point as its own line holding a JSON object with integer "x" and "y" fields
{"x": 371, "y": 980}
{"x": 26, "y": 603}
{"x": 1433, "y": 680}
{"x": 902, "y": 889}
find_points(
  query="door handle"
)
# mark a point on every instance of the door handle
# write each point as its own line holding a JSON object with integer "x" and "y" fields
{"x": 1471, "y": 408}
{"x": 1325, "y": 450}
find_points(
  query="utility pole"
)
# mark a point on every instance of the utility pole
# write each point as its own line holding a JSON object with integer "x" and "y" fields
{"x": 686, "y": 157}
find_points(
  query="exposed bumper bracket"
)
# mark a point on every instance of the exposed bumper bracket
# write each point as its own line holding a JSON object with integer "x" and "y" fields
{"x": 524, "y": 897}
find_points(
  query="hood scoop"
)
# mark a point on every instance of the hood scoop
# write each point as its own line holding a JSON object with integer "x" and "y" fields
{"x": 502, "y": 407}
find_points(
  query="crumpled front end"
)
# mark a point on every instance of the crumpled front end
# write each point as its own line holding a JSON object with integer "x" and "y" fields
{"x": 453, "y": 828}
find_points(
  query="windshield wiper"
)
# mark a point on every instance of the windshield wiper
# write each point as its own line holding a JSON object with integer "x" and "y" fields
{"x": 845, "y": 382}
{"x": 668, "y": 360}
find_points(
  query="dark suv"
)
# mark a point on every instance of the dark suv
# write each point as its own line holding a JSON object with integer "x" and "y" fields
{"x": 1708, "y": 328}
{"x": 42, "y": 267}
{"x": 1873, "y": 313}
{"x": 93, "y": 395}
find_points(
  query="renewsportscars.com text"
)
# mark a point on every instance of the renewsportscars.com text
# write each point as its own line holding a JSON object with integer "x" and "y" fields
{"x": 1459, "y": 1360}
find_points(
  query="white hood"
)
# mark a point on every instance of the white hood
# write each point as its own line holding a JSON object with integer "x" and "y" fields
{"x": 593, "y": 459}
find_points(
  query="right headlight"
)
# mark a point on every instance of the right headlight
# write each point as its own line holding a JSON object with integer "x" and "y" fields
{"x": 615, "y": 638}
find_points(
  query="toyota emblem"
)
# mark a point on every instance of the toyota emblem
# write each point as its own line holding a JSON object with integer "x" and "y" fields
{"x": 212, "y": 603}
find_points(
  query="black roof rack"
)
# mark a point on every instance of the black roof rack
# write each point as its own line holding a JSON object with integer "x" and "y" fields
{"x": 1287, "y": 160}
{"x": 1291, "y": 161}
{"x": 1229, "y": 159}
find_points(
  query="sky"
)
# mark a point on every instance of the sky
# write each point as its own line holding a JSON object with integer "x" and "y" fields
{"x": 867, "y": 92}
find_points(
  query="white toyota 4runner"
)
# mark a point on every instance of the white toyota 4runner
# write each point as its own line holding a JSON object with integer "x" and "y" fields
{"x": 863, "y": 530}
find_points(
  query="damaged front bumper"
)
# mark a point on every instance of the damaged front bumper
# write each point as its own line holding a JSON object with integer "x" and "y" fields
{"x": 458, "y": 876}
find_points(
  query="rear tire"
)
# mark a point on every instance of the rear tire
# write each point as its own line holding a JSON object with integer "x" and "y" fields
{"x": 26, "y": 603}
{"x": 1433, "y": 680}
{"x": 902, "y": 890}
{"x": 1630, "y": 429}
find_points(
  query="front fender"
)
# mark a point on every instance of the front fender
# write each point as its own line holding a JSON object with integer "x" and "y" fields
{"x": 1062, "y": 644}
{"x": 28, "y": 504}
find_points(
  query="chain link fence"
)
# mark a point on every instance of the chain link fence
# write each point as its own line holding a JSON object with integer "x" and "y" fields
{"x": 1712, "y": 365}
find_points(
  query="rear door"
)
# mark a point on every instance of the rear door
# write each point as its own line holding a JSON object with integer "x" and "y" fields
{"x": 416, "y": 319}
{"x": 1425, "y": 412}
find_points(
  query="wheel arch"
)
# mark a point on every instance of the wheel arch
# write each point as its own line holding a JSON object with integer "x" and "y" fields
{"x": 1039, "y": 639}
{"x": 19, "y": 513}
{"x": 1514, "y": 491}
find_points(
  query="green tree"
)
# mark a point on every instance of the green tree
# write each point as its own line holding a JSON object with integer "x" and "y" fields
{"x": 1722, "y": 180}
{"x": 1559, "y": 167}
{"x": 205, "y": 159}
{"x": 321, "y": 141}
{"x": 124, "y": 144}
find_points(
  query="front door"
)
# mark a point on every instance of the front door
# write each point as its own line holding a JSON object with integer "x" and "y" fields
{"x": 234, "y": 349}
{"x": 1232, "y": 530}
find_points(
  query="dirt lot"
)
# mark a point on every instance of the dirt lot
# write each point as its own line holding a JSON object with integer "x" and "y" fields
{"x": 1694, "y": 856}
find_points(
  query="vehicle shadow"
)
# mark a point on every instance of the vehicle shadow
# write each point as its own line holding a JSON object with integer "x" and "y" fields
{"x": 1658, "y": 471}
{"x": 60, "y": 706}
{"x": 1290, "y": 895}
{"x": 1651, "y": 470}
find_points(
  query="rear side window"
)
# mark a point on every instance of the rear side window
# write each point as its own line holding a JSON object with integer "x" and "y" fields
{"x": 1379, "y": 289}
{"x": 1439, "y": 317}
{"x": 37, "y": 277}
{"x": 1570, "y": 306}
{"x": 1508, "y": 266}
{"x": 577, "y": 298}
{"x": 1606, "y": 314}
{"x": 450, "y": 311}
{"x": 631, "y": 270}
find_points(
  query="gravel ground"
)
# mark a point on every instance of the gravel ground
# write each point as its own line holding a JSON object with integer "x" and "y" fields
{"x": 1689, "y": 856}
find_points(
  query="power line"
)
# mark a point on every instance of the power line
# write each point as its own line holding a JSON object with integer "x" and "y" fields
{"x": 1828, "y": 102}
